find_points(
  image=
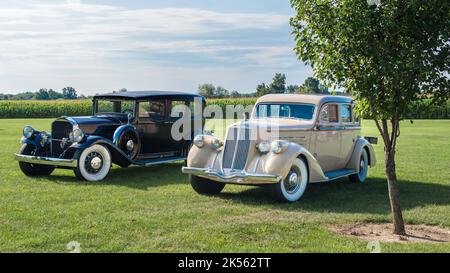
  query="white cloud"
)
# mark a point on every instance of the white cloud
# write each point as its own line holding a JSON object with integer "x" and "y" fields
{"x": 52, "y": 44}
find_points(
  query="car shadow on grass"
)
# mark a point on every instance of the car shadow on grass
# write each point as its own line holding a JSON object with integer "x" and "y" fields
{"x": 343, "y": 196}
{"x": 133, "y": 176}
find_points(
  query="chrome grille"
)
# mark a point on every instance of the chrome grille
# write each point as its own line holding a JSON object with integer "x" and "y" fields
{"x": 236, "y": 148}
{"x": 60, "y": 129}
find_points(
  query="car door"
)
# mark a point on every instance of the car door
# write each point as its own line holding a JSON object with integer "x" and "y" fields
{"x": 328, "y": 138}
{"x": 152, "y": 127}
{"x": 349, "y": 133}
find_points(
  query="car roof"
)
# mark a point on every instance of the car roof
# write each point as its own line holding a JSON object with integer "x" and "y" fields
{"x": 304, "y": 98}
{"x": 137, "y": 95}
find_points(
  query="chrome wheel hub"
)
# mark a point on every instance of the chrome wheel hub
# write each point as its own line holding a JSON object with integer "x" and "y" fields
{"x": 292, "y": 183}
{"x": 130, "y": 145}
{"x": 96, "y": 163}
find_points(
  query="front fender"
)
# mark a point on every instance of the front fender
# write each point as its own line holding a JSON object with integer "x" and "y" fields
{"x": 118, "y": 157}
{"x": 280, "y": 164}
{"x": 205, "y": 157}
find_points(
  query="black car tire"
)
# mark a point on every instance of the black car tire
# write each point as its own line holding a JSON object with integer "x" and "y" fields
{"x": 205, "y": 186}
{"x": 33, "y": 169}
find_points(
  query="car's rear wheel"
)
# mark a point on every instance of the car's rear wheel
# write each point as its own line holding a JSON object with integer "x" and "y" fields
{"x": 33, "y": 169}
{"x": 205, "y": 186}
{"x": 363, "y": 168}
{"x": 294, "y": 185}
{"x": 94, "y": 163}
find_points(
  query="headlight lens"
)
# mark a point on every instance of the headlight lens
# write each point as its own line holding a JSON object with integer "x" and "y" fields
{"x": 216, "y": 143}
{"x": 263, "y": 147}
{"x": 28, "y": 131}
{"x": 77, "y": 135}
{"x": 278, "y": 146}
{"x": 198, "y": 141}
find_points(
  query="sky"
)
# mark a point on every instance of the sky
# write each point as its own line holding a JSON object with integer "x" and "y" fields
{"x": 98, "y": 46}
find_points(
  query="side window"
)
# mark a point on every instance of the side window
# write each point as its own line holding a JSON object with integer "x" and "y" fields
{"x": 178, "y": 109}
{"x": 329, "y": 113}
{"x": 152, "y": 109}
{"x": 346, "y": 112}
{"x": 262, "y": 111}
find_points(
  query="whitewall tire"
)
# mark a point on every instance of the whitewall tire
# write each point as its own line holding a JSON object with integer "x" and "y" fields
{"x": 363, "y": 168}
{"x": 94, "y": 163}
{"x": 291, "y": 189}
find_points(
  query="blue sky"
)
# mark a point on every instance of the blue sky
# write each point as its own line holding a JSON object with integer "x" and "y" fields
{"x": 98, "y": 45}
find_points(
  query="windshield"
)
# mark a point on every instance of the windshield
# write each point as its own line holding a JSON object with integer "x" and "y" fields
{"x": 118, "y": 107}
{"x": 285, "y": 110}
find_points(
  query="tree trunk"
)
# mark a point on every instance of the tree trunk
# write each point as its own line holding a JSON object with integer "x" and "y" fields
{"x": 390, "y": 141}
{"x": 399, "y": 225}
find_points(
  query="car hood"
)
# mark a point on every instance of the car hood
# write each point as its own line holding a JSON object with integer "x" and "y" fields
{"x": 104, "y": 125}
{"x": 282, "y": 124}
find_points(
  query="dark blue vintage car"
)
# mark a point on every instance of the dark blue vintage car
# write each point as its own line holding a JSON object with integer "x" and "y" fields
{"x": 125, "y": 128}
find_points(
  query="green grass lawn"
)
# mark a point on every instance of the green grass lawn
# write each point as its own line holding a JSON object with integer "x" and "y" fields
{"x": 155, "y": 210}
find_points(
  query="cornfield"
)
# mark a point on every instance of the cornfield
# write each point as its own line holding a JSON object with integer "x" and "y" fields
{"x": 51, "y": 109}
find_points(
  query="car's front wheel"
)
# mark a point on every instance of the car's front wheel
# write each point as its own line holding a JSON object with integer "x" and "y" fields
{"x": 94, "y": 163}
{"x": 33, "y": 169}
{"x": 205, "y": 186}
{"x": 294, "y": 185}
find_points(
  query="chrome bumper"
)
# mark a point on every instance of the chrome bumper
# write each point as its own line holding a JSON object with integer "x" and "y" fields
{"x": 59, "y": 162}
{"x": 236, "y": 177}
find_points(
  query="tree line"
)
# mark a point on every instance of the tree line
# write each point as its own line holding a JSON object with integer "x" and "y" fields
{"x": 277, "y": 86}
{"x": 67, "y": 93}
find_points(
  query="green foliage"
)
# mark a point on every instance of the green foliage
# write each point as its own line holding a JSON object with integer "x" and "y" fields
{"x": 208, "y": 90}
{"x": 69, "y": 93}
{"x": 387, "y": 55}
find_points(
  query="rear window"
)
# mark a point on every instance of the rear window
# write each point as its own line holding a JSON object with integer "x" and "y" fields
{"x": 276, "y": 110}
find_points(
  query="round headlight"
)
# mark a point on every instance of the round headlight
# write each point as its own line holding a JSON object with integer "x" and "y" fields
{"x": 278, "y": 146}
{"x": 28, "y": 131}
{"x": 198, "y": 141}
{"x": 77, "y": 135}
{"x": 263, "y": 147}
{"x": 216, "y": 143}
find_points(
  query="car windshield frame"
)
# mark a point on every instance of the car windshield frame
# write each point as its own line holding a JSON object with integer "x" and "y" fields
{"x": 96, "y": 106}
{"x": 314, "y": 108}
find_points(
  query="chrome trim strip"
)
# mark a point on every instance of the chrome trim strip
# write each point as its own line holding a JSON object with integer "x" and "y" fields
{"x": 256, "y": 164}
{"x": 241, "y": 177}
{"x": 72, "y": 163}
{"x": 236, "y": 146}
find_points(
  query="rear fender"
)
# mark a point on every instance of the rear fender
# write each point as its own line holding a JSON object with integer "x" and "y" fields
{"x": 361, "y": 144}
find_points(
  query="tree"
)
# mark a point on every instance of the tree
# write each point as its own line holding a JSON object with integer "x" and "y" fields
{"x": 42, "y": 94}
{"x": 69, "y": 93}
{"x": 387, "y": 54}
{"x": 53, "y": 95}
{"x": 261, "y": 90}
{"x": 221, "y": 92}
{"x": 278, "y": 84}
{"x": 235, "y": 94}
{"x": 291, "y": 89}
{"x": 207, "y": 90}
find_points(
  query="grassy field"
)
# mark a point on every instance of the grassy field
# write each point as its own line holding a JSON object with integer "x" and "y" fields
{"x": 155, "y": 210}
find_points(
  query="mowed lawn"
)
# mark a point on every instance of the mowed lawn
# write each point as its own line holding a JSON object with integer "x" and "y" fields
{"x": 155, "y": 210}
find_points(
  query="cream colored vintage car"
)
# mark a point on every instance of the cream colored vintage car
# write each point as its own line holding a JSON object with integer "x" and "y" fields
{"x": 289, "y": 141}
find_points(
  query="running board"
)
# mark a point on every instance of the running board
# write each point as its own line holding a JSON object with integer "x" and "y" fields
{"x": 331, "y": 175}
{"x": 156, "y": 161}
